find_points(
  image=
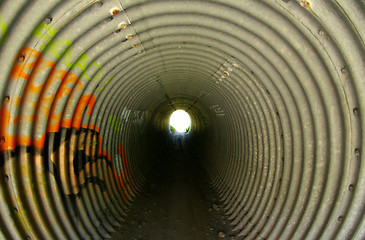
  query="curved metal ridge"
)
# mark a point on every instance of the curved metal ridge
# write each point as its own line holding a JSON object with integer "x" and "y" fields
{"x": 274, "y": 89}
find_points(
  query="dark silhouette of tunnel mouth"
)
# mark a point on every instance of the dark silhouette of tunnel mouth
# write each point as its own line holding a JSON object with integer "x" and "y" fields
{"x": 273, "y": 89}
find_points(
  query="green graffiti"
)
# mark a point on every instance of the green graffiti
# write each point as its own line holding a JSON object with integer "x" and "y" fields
{"x": 3, "y": 28}
{"x": 106, "y": 83}
{"x": 98, "y": 76}
{"x": 57, "y": 47}
{"x": 115, "y": 123}
{"x": 80, "y": 62}
{"x": 44, "y": 31}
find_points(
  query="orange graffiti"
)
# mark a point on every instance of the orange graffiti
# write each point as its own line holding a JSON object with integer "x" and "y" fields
{"x": 85, "y": 100}
{"x": 64, "y": 90}
{"x": 7, "y": 139}
{"x": 90, "y": 104}
{"x": 24, "y": 63}
{"x": 23, "y": 141}
{"x": 126, "y": 174}
{"x": 91, "y": 127}
{"x": 33, "y": 87}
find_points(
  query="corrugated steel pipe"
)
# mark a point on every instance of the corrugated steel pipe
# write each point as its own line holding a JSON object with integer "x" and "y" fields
{"x": 273, "y": 88}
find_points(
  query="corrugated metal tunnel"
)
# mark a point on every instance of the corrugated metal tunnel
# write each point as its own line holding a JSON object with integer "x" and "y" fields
{"x": 273, "y": 87}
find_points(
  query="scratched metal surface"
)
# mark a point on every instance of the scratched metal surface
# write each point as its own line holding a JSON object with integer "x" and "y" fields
{"x": 275, "y": 88}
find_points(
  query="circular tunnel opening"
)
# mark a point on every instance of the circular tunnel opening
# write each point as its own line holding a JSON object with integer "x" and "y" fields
{"x": 273, "y": 89}
{"x": 180, "y": 121}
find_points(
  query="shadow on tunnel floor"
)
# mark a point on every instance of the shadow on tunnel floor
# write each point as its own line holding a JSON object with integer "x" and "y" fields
{"x": 176, "y": 201}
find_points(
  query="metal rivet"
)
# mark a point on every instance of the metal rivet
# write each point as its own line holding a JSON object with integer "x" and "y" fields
{"x": 48, "y": 20}
{"x": 130, "y": 36}
{"x": 122, "y": 25}
{"x": 6, "y": 178}
{"x": 357, "y": 152}
{"x": 99, "y": 4}
{"x": 340, "y": 218}
{"x": 322, "y": 33}
{"x": 351, "y": 187}
{"x": 356, "y": 111}
{"x": 21, "y": 58}
{"x": 135, "y": 45}
{"x": 226, "y": 73}
{"x": 304, "y": 4}
{"x": 344, "y": 70}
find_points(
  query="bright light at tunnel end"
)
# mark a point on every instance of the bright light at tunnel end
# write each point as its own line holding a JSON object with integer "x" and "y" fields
{"x": 180, "y": 121}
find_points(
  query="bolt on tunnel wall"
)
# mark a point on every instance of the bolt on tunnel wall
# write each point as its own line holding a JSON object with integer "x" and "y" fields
{"x": 273, "y": 89}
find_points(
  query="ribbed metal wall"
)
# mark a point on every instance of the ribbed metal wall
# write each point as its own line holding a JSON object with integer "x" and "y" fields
{"x": 274, "y": 89}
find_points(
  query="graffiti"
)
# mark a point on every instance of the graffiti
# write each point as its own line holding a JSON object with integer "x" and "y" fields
{"x": 218, "y": 110}
{"x": 122, "y": 171}
{"x": 70, "y": 150}
{"x": 3, "y": 29}
{"x": 76, "y": 161}
{"x": 115, "y": 123}
{"x": 45, "y": 33}
{"x": 136, "y": 117}
{"x": 46, "y": 91}
{"x": 105, "y": 84}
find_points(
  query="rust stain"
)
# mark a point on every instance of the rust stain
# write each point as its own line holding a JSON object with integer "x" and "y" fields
{"x": 115, "y": 11}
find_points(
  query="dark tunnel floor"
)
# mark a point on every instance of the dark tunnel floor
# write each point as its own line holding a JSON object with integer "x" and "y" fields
{"x": 175, "y": 203}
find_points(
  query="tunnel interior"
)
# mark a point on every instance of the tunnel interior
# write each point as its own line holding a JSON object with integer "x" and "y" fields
{"x": 274, "y": 90}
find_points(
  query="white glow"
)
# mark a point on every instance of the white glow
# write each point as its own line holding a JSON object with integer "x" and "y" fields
{"x": 180, "y": 120}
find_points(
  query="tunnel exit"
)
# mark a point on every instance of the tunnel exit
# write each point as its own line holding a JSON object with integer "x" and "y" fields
{"x": 180, "y": 121}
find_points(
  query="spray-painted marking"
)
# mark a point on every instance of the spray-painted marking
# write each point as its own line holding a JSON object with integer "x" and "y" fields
{"x": 45, "y": 33}
{"x": 44, "y": 97}
{"x": 3, "y": 29}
